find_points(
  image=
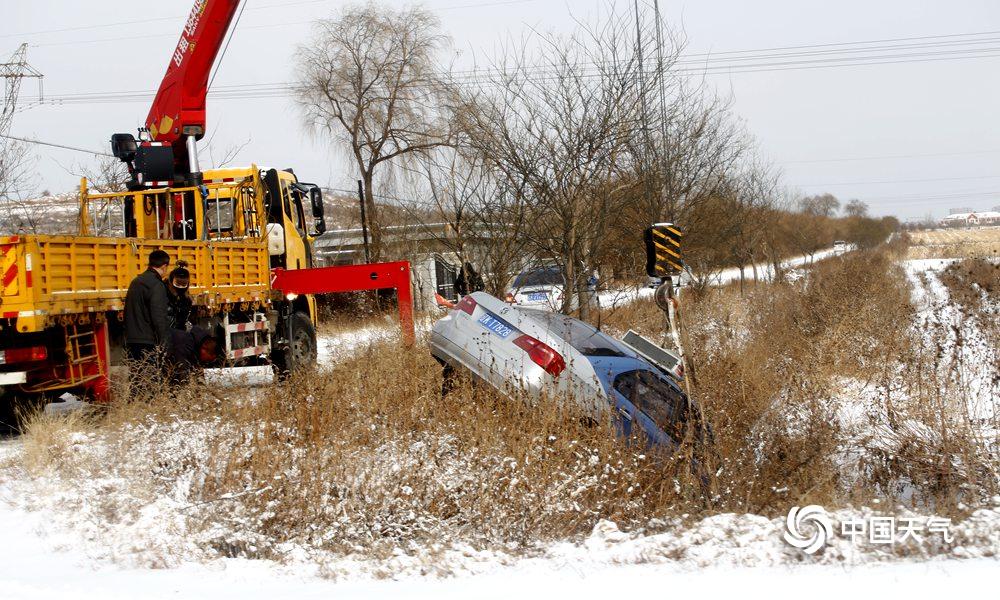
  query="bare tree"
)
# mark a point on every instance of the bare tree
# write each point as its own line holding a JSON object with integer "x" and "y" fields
{"x": 820, "y": 205}
{"x": 557, "y": 126}
{"x": 16, "y": 186}
{"x": 488, "y": 220}
{"x": 108, "y": 175}
{"x": 369, "y": 75}
{"x": 856, "y": 208}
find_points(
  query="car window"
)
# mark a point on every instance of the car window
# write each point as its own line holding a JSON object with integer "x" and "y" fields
{"x": 586, "y": 339}
{"x": 659, "y": 400}
{"x": 547, "y": 276}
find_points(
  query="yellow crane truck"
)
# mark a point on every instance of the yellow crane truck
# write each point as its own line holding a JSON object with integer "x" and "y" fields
{"x": 245, "y": 235}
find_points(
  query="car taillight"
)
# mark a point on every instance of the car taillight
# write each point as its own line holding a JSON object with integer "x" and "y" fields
{"x": 542, "y": 354}
{"x": 511, "y": 299}
{"x": 467, "y": 305}
{"x": 18, "y": 355}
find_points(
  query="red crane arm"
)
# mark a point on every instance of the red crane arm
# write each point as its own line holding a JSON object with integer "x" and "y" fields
{"x": 179, "y": 107}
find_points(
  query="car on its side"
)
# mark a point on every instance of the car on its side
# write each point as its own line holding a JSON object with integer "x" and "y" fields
{"x": 541, "y": 352}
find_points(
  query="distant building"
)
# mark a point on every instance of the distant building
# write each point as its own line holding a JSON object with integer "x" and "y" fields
{"x": 972, "y": 219}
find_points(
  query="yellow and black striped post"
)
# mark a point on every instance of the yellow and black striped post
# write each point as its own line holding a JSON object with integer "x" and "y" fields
{"x": 663, "y": 250}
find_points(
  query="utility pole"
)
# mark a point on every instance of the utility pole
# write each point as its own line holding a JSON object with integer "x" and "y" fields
{"x": 671, "y": 205}
{"x": 364, "y": 220}
{"x": 644, "y": 108}
{"x": 13, "y": 71}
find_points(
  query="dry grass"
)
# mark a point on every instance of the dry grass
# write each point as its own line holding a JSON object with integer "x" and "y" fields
{"x": 368, "y": 457}
{"x": 822, "y": 391}
{"x": 974, "y": 283}
{"x": 981, "y": 242}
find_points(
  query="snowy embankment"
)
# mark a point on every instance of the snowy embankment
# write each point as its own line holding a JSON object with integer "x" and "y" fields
{"x": 963, "y": 343}
{"x": 71, "y": 539}
{"x": 46, "y": 556}
{"x": 616, "y": 298}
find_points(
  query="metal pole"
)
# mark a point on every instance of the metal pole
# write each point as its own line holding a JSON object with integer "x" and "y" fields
{"x": 663, "y": 112}
{"x": 156, "y": 211}
{"x": 364, "y": 220}
{"x": 192, "y": 149}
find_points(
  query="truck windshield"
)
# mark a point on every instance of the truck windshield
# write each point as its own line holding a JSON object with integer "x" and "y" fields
{"x": 659, "y": 400}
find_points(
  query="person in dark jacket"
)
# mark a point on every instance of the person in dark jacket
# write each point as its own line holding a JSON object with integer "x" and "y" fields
{"x": 468, "y": 281}
{"x": 189, "y": 353}
{"x": 147, "y": 330}
{"x": 179, "y": 302}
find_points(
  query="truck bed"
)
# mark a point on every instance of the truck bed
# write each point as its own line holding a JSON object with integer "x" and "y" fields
{"x": 45, "y": 276}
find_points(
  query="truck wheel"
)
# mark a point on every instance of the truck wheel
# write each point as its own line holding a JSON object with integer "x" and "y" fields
{"x": 301, "y": 351}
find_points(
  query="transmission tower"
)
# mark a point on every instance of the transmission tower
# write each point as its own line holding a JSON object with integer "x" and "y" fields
{"x": 13, "y": 71}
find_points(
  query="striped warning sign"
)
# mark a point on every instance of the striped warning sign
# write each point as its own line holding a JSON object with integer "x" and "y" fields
{"x": 8, "y": 269}
{"x": 663, "y": 250}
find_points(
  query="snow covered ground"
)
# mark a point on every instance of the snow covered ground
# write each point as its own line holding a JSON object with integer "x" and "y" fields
{"x": 50, "y": 551}
{"x": 727, "y": 554}
{"x": 962, "y": 340}
{"x": 610, "y": 299}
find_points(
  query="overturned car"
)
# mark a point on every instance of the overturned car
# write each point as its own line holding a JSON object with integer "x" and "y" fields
{"x": 534, "y": 351}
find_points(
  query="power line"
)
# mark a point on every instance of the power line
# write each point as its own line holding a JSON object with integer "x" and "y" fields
{"x": 181, "y": 17}
{"x": 765, "y": 62}
{"x": 839, "y": 183}
{"x": 925, "y": 199}
{"x": 63, "y": 146}
{"x": 943, "y": 194}
{"x": 888, "y": 157}
{"x": 277, "y": 90}
{"x": 229, "y": 38}
{"x": 144, "y": 21}
{"x": 879, "y": 41}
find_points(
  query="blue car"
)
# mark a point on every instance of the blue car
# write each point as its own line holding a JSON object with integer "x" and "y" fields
{"x": 541, "y": 352}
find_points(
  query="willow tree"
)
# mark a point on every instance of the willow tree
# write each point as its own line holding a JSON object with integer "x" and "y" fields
{"x": 369, "y": 77}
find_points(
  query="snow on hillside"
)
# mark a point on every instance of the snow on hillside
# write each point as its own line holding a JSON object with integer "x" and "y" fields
{"x": 67, "y": 540}
{"x": 962, "y": 340}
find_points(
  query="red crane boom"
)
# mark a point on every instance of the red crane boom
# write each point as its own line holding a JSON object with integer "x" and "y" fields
{"x": 177, "y": 115}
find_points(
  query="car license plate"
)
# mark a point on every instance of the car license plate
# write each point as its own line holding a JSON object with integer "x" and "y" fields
{"x": 538, "y": 297}
{"x": 496, "y": 325}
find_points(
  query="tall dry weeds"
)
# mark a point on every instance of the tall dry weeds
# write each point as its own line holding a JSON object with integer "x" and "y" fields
{"x": 369, "y": 457}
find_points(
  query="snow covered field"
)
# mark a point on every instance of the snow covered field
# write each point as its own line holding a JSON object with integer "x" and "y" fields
{"x": 728, "y": 554}
{"x": 611, "y": 299}
{"x": 61, "y": 542}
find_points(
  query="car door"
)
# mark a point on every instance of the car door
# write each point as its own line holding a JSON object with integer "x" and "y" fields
{"x": 659, "y": 409}
{"x": 625, "y": 411}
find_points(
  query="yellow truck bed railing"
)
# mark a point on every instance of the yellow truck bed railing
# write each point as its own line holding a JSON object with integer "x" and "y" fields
{"x": 48, "y": 276}
{"x": 45, "y": 277}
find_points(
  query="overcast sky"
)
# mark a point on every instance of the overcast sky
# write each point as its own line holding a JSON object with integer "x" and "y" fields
{"x": 910, "y": 138}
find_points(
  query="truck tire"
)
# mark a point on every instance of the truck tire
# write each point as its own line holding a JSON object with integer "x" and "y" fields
{"x": 301, "y": 352}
